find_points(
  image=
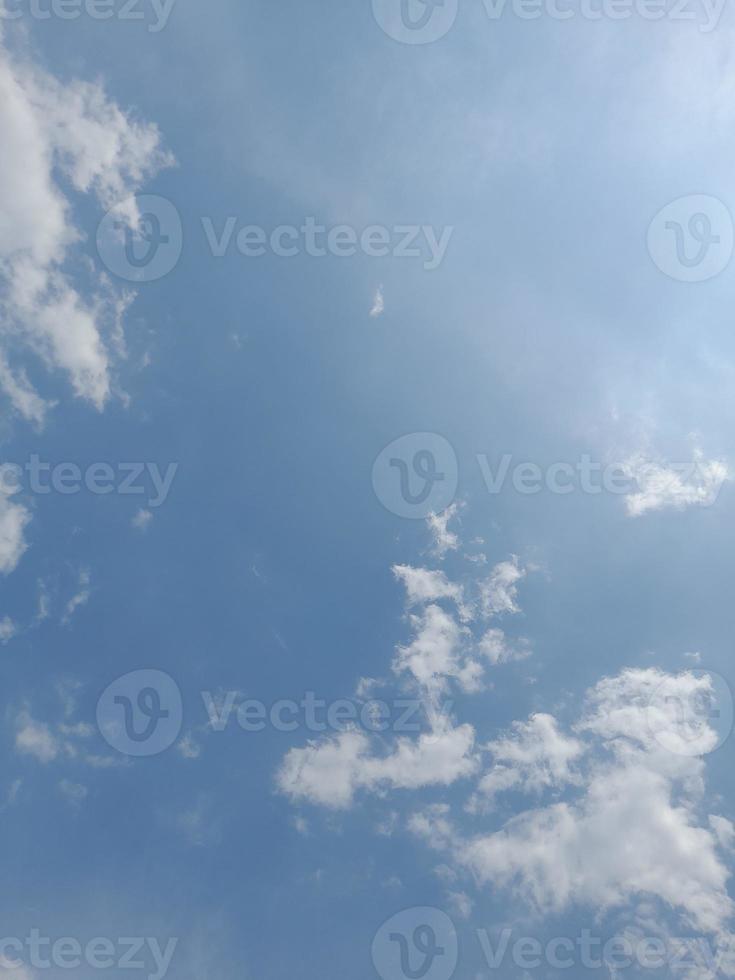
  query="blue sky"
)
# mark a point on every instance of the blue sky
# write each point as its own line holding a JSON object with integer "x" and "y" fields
{"x": 217, "y": 517}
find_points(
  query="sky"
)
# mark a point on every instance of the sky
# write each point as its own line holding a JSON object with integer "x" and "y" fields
{"x": 366, "y": 503}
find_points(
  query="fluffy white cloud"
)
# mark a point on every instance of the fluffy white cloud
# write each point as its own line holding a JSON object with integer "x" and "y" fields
{"x": 534, "y": 756}
{"x": 498, "y": 649}
{"x": 499, "y": 592}
{"x": 666, "y": 487}
{"x": 13, "y": 521}
{"x": 54, "y": 132}
{"x": 633, "y": 832}
{"x": 79, "y": 599}
{"x": 427, "y": 585}
{"x": 378, "y": 306}
{"x": 35, "y": 738}
{"x": 435, "y": 653}
{"x": 8, "y": 630}
{"x": 444, "y": 539}
{"x": 331, "y": 771}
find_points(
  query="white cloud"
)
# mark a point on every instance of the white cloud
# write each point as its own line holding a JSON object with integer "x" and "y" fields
{"x": 55, "y": 135}
{"x": 330, "y": 772}
{"x": 188, "y": 747}
{"x": 378, "y": 307}
{"x": 35, "y": 738}
{"x": 436, "y": 653}
{"x": 79, "y": 599}
{"x": 460, "y": 904}
{"x": 8, "y": 630}
{"x": 663, "y": 486}
{"x": 14, "y": 519}
{"x": 60, "y": 741}
{"x": 444, "y": 539}
{"x": 498, "y": 649}
{"x": 633, "y": 832}
{"x": 499, "y": 592}
{"x": 74, "y": 793}
{"x": 427, "y": 585}
{"x": 142, "y": 519}
{"x": 13, "y": 969}
{"x": 534, "y": 756}
{"x": 724, "y": 830}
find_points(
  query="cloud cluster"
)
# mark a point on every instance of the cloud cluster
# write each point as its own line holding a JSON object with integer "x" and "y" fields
{"x": 615, "y": 814}
{"x": 632, "y": 831}
{"x": 450, "y": 647}
{"x": 61, "y": 139}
